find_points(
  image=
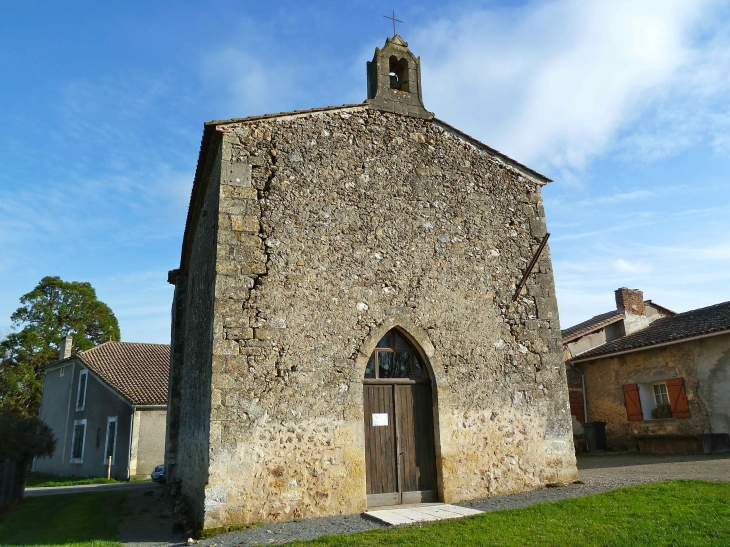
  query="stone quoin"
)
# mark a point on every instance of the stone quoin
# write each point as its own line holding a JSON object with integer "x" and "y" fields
{"x": 344, "y": 333}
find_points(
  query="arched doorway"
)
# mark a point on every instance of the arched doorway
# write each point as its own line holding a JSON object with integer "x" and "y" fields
{"x": 400, "y": 451}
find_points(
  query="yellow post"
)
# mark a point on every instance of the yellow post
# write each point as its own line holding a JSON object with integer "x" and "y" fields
{"x": 109, "y": 467}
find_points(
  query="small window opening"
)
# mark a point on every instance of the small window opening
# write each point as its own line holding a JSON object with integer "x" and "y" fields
{"x": 77, "y": 445}
{"x": 395, "y": 357}
{"x": 661, "y": 397}
{"x": 398, "y": 69}
{"x": 111, "y": 439}
{"x": 81, "y": 395}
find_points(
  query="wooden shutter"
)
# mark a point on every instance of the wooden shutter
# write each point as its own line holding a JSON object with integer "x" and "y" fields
{"x": 633, "y": 403}
{"x": 678, "y": 398}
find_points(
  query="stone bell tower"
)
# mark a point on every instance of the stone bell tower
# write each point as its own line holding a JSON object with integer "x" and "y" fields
{"x": 394, "y": 80}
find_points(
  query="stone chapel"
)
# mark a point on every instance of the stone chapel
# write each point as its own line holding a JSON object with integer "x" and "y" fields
{"x": 344, "y": 328}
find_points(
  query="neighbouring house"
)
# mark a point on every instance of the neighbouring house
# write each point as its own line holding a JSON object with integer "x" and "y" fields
{"x": 347, "y": 331}
{"x": 110, "y": 400}
{"x": 632, "y": 313}
{"x": 663, "y": 386}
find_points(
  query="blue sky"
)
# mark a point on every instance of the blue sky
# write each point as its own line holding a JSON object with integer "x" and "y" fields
{"x": 625, "y": 104}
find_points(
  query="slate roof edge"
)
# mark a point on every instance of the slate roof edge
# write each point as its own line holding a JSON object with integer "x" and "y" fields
{"x": 59, "y": 362}
{"x": 293, "y": 113}
{"x": 578, "y": 359}
{"x": 598, "y": 325}
{"x": 496, "y": 153}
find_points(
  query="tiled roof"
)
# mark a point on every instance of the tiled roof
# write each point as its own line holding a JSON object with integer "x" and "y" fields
{"x": 675, "y": 328}
{"x": 590, "y": 325}
{"x": 138, "y": 371}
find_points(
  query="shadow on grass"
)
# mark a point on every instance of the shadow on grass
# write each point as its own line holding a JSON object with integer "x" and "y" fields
{"x": 69, "y": 519}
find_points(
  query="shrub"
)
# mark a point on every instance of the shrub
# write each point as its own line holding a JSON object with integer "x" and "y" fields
{"x": 659, "y": 412}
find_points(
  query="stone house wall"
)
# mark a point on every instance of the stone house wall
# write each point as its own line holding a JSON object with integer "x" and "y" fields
{"x": 334, "y": 227}
{"x": 703, "y": 364}
{"x": 58, "y": 410}
{"x": 148, "y": 444}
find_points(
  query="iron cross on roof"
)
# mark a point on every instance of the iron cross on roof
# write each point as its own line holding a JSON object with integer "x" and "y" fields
{"x": 394, "y": 20}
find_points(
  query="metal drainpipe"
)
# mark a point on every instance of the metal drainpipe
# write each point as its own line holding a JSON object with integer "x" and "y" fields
{"x": 583, "y": 384}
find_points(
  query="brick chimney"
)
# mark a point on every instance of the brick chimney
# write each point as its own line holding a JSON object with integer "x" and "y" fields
{"x": 631, "y": 303}
{"x": 65, "y": 348}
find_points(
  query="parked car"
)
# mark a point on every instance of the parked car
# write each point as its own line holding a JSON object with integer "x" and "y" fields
{"x": 158, "y": 475}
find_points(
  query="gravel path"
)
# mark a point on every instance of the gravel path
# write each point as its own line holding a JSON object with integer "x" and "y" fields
{"x": 599, "y": 473}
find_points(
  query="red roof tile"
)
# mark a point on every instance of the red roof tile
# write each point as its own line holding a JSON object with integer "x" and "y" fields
{"x": 138, "y": 371}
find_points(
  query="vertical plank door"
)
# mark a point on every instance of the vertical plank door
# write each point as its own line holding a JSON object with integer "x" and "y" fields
{"x": 380, "y": 446}
{"x": 416, "y": 447}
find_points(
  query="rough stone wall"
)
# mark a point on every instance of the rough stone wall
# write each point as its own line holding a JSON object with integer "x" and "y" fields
{"x": 191, "y": 473}
{"x": 334, "y": 227}
{"x": 705, "y": 366}
{"x": 175, "y": 383}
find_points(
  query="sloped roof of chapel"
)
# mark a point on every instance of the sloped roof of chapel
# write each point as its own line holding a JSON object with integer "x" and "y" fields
{"x": 476, "y": 142}
{"x": 211, "y": 129}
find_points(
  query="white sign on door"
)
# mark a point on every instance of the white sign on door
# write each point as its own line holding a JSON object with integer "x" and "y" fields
{"x": 380, "y": 420}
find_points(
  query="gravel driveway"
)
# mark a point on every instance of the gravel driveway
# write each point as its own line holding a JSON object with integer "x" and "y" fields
{"x": 599, "y": 473}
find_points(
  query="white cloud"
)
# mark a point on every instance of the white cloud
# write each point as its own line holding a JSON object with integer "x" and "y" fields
{"x": 554, "y": 84}
{"x": 681, "y": 277}
{"x": 253, "y": 86}
{"x": 626, "y": 267}
{"x": 619, "y": 198}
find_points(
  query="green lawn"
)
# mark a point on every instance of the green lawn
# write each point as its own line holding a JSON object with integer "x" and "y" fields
{"x": 678, "y": 513}
{"x": 82, "y": 520}
{"x": 40, "y": 479}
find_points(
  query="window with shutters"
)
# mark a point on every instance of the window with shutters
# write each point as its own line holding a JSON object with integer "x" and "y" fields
{"x": 78, "y": 441}
{"x": 656, "y": 400}
{"x": 81, "y": 394}
{"x": 111, "y": 439}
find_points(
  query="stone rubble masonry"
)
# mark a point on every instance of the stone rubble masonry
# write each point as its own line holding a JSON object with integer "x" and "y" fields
{"x": 381, "y": 95}
{"x": 333, "y": 227}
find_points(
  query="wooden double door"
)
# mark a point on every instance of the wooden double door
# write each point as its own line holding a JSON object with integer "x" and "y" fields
{"x": 399, "y": 442}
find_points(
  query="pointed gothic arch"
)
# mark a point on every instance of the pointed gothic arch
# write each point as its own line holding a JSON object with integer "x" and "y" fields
{"x": 400, "y": 417}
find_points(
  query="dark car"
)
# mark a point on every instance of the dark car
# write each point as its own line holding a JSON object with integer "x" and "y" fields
{"x": 158, "y": 475}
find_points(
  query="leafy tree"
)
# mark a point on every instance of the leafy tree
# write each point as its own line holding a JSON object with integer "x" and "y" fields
{"x": 50, "y": 312}
{"x": 24, "y": 438}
